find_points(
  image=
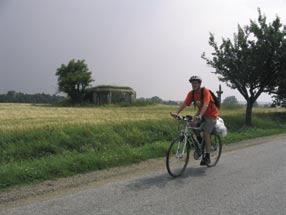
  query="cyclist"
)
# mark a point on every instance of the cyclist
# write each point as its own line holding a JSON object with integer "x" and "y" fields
{"x": 207, "y": 112}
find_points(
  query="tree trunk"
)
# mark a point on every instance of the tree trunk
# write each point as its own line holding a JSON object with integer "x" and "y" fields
{"x": 248, "y": 114}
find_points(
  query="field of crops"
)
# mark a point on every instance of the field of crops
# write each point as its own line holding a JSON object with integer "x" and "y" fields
{"x": 41, "y": 142}
{"x": 18, "y": 117}
{"x": 15, "y": 117}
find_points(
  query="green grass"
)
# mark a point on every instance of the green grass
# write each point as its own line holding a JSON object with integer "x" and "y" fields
{"x": 41, "y": 142}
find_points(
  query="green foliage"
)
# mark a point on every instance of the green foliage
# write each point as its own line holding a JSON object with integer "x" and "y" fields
{"x": 253, "y": 61}
{"x": 279, "y": 98}
{"x": 73, "y": 79}
{"x": 18, "y": 97}
{"x": 138, "y": 102}
{"x": 230, "y": 101}
{"x": 48, "y": 141}
{"x": 113, "y": 87}
{"x": 250, "y": 133}
{"x": 71, "y": 163}
{"x": 50, "y": 153}
{"x": 150, "y": 101}
{"x": 156, "y": 100}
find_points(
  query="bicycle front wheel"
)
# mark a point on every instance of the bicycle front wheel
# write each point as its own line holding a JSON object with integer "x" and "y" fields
{"x": 177, "y": 157}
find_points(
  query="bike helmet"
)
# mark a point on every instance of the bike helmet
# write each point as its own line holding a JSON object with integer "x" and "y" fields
{"x": 195, "y": 78}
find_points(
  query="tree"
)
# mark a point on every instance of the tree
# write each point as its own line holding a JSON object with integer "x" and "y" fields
{"x": 280, "y": 94}
{"x": 18, "y": 97}
{"x": 73, "y": 79}
{"x": 255, "y": 104}
{"x": 230, "y": 101}
{"x": 156, "y": 100}
{"x": 253, "y": 61}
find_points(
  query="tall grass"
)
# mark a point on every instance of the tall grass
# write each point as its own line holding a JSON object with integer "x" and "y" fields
{"x": 42, "y": 142}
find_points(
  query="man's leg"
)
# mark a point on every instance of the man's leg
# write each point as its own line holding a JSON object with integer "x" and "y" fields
{"x": 207, "y": 138}
{"x": 206, "y": 157}
{"x": 207, "y": 130}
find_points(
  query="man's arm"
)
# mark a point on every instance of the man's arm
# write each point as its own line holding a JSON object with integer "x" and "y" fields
{"x": 207, "y": 99}
{"x": 186, "y": 103}
{"x": 181, "y": 108}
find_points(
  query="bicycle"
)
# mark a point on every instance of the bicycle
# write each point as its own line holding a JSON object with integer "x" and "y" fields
{"x": 188, "y": 140}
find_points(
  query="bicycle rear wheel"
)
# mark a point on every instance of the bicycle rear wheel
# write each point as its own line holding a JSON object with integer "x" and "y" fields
{"x": 177, "y": 157}
{"x": 216, "y": 148}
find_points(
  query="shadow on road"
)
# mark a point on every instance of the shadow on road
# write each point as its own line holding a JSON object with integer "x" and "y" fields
{"x": 162, "y": 180}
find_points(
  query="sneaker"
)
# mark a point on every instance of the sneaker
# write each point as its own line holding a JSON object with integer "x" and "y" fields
{"x": 206, "y": 160}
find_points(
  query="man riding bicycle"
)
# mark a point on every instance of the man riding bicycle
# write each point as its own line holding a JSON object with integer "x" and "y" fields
{"x": 207, "y": 112}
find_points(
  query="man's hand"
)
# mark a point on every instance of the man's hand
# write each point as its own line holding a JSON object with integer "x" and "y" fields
{"x": 198, "y": 118}
{"x": 173, "y": 114}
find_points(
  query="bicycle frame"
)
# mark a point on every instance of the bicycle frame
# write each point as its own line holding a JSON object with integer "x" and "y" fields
{"x": 186, "y": 139}
{"x": 189, "y": 137}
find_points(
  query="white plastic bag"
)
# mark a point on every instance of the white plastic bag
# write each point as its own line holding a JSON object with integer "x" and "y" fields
{"x": 220, "y": 127}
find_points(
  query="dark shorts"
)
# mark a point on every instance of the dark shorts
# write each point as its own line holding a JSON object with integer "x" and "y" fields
{"x": 208, "y": 124}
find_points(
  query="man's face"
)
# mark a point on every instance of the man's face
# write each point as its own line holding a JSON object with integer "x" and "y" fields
{"x": 196, "y": 85}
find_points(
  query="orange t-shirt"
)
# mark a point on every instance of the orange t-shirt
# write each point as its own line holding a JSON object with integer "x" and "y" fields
{"x": 212, "y": 111}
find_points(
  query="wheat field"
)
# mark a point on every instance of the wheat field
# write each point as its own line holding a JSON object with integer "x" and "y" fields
{"x": 40, "y": 142}
{"x": 19, "y": 117}
{"x": 15, "y": 117}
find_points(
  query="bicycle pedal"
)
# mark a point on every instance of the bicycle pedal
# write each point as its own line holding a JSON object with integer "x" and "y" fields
{"x": 196, "y": 156}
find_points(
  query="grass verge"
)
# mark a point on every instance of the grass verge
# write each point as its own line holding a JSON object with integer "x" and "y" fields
{"x": 49, "y": 153}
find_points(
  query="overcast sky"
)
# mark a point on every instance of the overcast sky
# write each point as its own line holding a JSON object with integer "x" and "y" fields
{"x": 153, "y": 46}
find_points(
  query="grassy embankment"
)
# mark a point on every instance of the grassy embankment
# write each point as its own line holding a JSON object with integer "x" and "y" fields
{"x": 42, "y": 142}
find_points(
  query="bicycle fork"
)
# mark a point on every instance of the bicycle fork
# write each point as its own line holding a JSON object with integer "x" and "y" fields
{"x": 182, "y": 145}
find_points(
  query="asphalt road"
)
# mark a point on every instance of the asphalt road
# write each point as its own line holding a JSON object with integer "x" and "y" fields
{"x": 250, "y": 180}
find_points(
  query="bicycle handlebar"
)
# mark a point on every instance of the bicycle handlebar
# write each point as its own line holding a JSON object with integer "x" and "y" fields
{"x": 184, "y": 118}
{"x": 187, "y": 118}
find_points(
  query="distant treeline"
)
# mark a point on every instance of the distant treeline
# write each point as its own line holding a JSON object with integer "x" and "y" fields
{"x": 151, "y": 101}
{"x": 18, "y": 97}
